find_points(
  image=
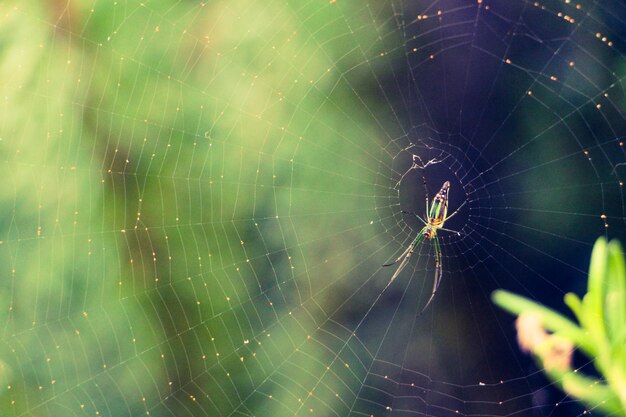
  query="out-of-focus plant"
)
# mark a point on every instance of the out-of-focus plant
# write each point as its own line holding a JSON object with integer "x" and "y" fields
{"x": 600, "y": 333}
{"x": 158, "y": 159}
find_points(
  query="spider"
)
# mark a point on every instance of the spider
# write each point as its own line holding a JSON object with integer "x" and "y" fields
{"x": 435, "y": 219}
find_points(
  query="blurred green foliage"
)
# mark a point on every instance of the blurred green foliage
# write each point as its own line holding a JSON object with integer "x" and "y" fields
{"x": 157, "y": 158}
{"x": 600, "y": 332}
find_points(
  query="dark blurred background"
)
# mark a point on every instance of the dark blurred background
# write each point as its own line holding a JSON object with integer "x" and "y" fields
{"x": 199, "y": 196}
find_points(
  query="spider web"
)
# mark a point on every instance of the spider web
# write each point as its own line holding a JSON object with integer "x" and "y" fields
{"x": 199, "y": 198}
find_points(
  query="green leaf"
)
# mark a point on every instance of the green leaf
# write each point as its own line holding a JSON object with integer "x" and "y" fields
{"x": 550, "y": 319}
{"x": 592, "y": 314}
{"x": 602, "y": 331}
{"x": 574, "y": 303}
{"x": 617, "y": 374}
{"x": 593, "y": 300}
{"x": 596, "y": 395}
{"x": 615, "y": 301}
{"x": 597, "y": 267}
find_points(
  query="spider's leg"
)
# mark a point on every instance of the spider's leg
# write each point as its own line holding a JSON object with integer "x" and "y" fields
{"x": 404, "y": 263}
{"x": 426, "y": 191}
{"x": 423, "y": 167}
{"x": 405, "y": 256}
{"x": 438, "y": 273}
{"x": 450, "y": 230}
{"x": 416, "y": 215}
{"x": 455, "y": 211}
{"x": 406, "y": 253}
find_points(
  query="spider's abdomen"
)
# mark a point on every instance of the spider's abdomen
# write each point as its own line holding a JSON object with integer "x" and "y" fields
{"x": 439, "y": 208}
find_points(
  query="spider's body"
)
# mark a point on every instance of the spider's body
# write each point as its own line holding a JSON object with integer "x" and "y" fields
{"x": 436, "y": 216}
{"x": 438, "y": 212}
